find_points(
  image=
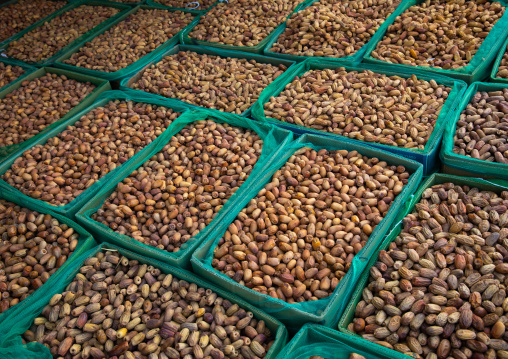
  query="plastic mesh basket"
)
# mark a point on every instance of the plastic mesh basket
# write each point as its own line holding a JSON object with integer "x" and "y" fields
{"x": 479, "y": 67}
{"x": 18, "y": 322}
{"x": 127, "y": 83}
{"x": 324, "y": 311}
{"x": 355, "y": 58}
{"x": 85, "y": 243}
{"x": 258, "y": 49}
{"x": 348, "y": 315}
{"x": 469, "y": 165}
{"x": 51, "y": 60}
{"x": 428, "y": 156}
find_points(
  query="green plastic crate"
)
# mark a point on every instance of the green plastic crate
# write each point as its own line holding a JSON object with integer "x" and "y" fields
{"x": 101, "y": 84}
{"x": 132, "y": 68}
{"x": 258, "y": 49}
{"x": 273, "y": 139}
{"x": 51, "y": 60}
{"x": 85, "y": 243}
{"x": 28, "y": 70}
{"x": 470, "y": 165}
{"x": 356, "y": 58}
{"x": 347, "y": 317}
{"x": 192, "y": 8}
{"x": 15, "y": 325}
{"x": 480, "y": 65}
{"x": 30, "y": 27}
{"x": 428, "y": 156}
{"x": 71, "y": 208}
{"x": 328, "y": 343}
{"x": 324, "y": 311}
{"x": 495, "y": 67}
{"x": 126, "y": 83}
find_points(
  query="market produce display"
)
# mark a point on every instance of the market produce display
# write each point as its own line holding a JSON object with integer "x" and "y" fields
{"x": 131, "y": 39}
{"x": 363, "y": 105}
{"x": 18, "y": 15}
{"x": 296, "y": 239}
{"x": 443, "y": 34}
{"x": 251, "y": 187}
{"x": 48, "y": 39}
{"x": 38, "y": 103}
{"x": 66, "y": 165}
{"x": 242, "y": 22}
{"x": 439, "y": 290}
{"x": 482, "y": 130}
{"x": 177, "y": 193}
{"x": 222, "y": 83}
{"x": 330, "y": 28}
{"x": 119, "y": 308}
{"x": 33, "y": 247}
{"x": 9, "y": 73}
